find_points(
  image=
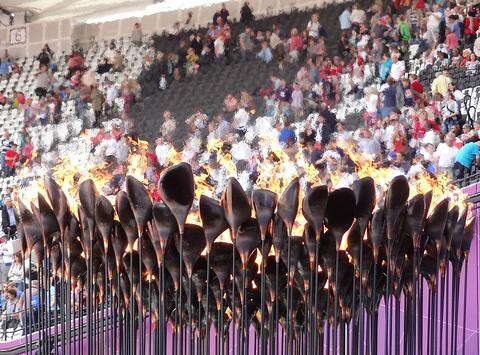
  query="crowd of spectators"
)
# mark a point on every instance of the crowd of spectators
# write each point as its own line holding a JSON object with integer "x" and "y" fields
{"x": 405, "y": 126}
{"x": 88, "y": 86}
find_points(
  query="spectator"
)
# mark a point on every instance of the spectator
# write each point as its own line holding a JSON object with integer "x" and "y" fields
{"x": 452, "y": 41}
{"x": 169, "y": 126}
{"x": 471, "y": 25}
{"x": 287, "y": 134}
{"x": 314, "y": 28}
{"x": 344, "y": 19}
{"x": 265, "y": 54}
{"x": 15, "y": 273}
{"x": 137, "y": 34}
{"x": 5, "y": 68}
{"x": 466, "y": 158}
{"x": 245, "y": 42}
{"x": 368, "y": 144}
{"x": 246, "y": 14}
{"x": 97, "y": 99}
{"x": 440, "y": 83}
{"x": 295, "y": 45}
{"x": 117, "y": 64}
{"x": 27, "y": 151}
{"x": 389, "y": 97}
{"x": 43, "y": 80}
{"x": 358, "y": 15}
{"x": 445, "y": 155}
{"x": 45, "y": 55}
{"x": 3, "y": 98}
{"x": 162, "y": 151}
{"x": 222, "y": 13}
{"x": 9, "y": 218}
{"x": 11, "y": 159}
{"x": 219, "y": 46}
{"x": 188, "y": 24}
{"x": 471, "y": 65}
{"x": 10, "y": 315}
{"x": 192, "y": 62}
{"x": 398, "y": 67}
{"x": 6, "y": 143}
{"x": 104, "y": 67}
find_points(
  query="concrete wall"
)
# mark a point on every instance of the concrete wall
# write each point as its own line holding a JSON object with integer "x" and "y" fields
{"x": 57, "y": 34}
{"x": 60, "y": 34}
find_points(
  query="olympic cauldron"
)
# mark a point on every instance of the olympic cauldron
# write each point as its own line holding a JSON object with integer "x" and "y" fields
{"x": 137, "y": 278}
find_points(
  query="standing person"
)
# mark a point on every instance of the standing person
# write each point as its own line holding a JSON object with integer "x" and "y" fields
{"x": 97, "y": 99}
{"x": 6, "y": 143}
{"x": 6, "y": 258}
{"x": 11, "y": 159}
{"x": 15, "y": 273}
{"x": 465, "y": 159}
{"x": 445, "y": 155}
{"x": 45, "y": 55}
{"x": 344, "y": 19}
{"x": 137, "y": 34}
{"x": 9, "y": 219}
{"x": 314, "y": 27}
{"x": 246, "y": 14}
{"x": 42, "y": 82}
{"x": 10, "y": 316}
{"x": 471, "y": 25}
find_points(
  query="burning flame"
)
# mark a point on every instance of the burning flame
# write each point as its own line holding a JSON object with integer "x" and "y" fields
{"x": 274, "y": 167}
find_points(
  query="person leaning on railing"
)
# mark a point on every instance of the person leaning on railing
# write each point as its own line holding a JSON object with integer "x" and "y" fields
{"x": 10, "y": 316}
{"x": 468, "y": 155}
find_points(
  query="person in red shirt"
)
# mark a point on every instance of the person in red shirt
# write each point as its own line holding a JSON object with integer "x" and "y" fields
{"x": 154, "y": 193}
{"x": 419, "y": 127}
{"x": 471, "y": 25}
{"x": 116, "y": 131}
{"x": 416, "y": 87}
{"x": 295, "y": 45}
{"x": 27, "y": 150}
{"x": 11, "y": 159}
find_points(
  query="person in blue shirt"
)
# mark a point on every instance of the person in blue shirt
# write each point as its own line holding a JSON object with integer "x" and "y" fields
{"x": 286, "y": 134}
{"x": 5, "y": 67}
{"x": 465, "y": 159}
{"x": 266, "y": 53}
{"x": 385, "y": 67}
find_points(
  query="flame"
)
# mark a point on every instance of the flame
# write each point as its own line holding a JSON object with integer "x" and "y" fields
{"x": 274, "y": 169}
{"x": 440, "y": 186}
{"x": 75, "y": 167}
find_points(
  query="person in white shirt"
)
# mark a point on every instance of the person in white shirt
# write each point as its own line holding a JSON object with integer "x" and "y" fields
{"x": 358, "y": 15}
{"x": 445, "y": 155}
{"x": 313, "y": 26}
{"x": 417, "y": 167}
{"x": 368, "y": 144}
{"x": 430, "y": 137}
{"x": 343, "y": 136}
{"x": 398, "y": 68}
{"x": 393, "y": 125}
{"x": 6, "y": 253}
{"x": 240, "y": 120}
{"x": 433, "y": 25}
{"x": 344, "y": 19}
{"x": 162, "y": 151}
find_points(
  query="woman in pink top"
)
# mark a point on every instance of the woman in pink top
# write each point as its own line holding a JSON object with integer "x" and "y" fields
{"x": 452, "y": 40}
{"x": 295, "y": 44}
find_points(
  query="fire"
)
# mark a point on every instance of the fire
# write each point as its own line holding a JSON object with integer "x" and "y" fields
{"x": 70, "y": 170}
{"x": 274, "y": 169}
{"x": 440, "y": 186}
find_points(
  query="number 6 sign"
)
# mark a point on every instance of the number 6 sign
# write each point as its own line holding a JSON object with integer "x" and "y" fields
{"x": 18, "y": 35}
